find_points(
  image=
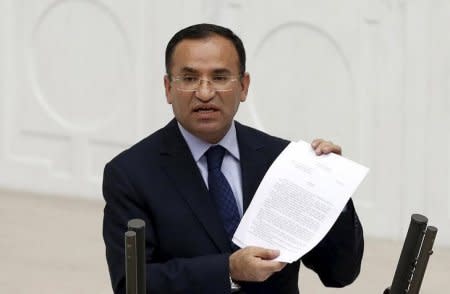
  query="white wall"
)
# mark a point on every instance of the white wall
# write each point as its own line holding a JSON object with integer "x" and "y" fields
{"x": 81, "y": 80}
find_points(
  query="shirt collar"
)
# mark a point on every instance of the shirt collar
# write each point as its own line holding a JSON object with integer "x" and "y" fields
{"x": 198, "y": 146}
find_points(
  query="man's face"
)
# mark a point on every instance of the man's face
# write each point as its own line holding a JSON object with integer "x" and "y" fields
{"x": 206, "y": 113}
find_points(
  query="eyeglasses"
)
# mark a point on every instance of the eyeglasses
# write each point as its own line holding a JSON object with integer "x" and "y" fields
{"x": 220, "y": 83}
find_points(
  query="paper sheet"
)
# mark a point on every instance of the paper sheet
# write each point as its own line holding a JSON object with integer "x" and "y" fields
{"x": 298, "y": 201}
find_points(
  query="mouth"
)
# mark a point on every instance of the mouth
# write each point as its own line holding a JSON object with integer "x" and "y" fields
{"x": 205, "y": 109}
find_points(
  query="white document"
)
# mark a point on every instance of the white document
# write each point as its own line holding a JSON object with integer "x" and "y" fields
{"x": 298, "y": 201}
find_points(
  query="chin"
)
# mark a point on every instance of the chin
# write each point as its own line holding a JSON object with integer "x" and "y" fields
{"x": 210, "y": 134}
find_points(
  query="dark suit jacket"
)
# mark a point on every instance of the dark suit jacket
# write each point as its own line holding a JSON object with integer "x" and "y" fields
{"x": 187, "y": 248}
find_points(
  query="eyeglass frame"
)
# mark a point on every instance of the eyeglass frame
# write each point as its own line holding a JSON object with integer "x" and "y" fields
{"x": 233, "y": 78}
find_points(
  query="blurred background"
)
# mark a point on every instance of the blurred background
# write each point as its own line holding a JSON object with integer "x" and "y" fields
{"x": 81, "y": 80}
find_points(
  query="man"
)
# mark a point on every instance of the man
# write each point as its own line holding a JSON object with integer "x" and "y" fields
{"x": 167, "y": 179}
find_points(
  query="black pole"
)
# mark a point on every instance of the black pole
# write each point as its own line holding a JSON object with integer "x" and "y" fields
{"x": 408, "y": 256}
{"x": 422, "y": 261}
{"x": 130, "y": 262}
{"x": 138, "y": 226}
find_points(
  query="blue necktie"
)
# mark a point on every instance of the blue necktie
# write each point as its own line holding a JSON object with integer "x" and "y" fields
{"x": 220, "y": 190}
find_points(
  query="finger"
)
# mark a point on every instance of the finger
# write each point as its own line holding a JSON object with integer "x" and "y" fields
{"x": 316, "y": 142}
{"x": 317, "y": 145}
{"x": 320, "y": 147}
{"x": 281, "y": 266}
{"x": 276, "y": 266}
{"x": 270, "y": 266}
{"x": 336, "y": 149}
{"x": 326, "y": 147}
{"x": 266, "y": 254}
{"x": 331, "y": 148}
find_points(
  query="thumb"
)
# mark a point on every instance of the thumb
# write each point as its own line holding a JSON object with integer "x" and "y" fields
{"x": 267, "y": 254}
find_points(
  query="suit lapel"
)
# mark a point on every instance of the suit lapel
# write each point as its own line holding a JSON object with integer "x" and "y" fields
{"x": 253, "y": 162}
{"x": 182, "y": 169}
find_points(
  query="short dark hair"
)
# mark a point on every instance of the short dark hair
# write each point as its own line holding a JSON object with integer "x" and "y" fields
{"x": 203, "y": 31}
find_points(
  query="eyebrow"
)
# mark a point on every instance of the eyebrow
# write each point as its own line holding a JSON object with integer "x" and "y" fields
{"x": 221, "y": 71}
{"x": 218, "y": 71}
{"x": 187, "y": 69}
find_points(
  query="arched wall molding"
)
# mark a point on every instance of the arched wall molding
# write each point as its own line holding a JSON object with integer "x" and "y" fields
{"x": 321, "y": 38}
{"x": 38, "y": 89}
{"x": 297, "y": 24}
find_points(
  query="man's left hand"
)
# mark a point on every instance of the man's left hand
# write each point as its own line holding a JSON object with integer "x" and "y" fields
{"x": 321, "y": 146}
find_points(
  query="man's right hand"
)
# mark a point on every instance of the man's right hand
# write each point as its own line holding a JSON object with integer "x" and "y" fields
{"x": 254, "y": 264}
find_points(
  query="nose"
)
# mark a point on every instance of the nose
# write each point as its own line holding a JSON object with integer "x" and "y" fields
{"x": 205, "y": 92}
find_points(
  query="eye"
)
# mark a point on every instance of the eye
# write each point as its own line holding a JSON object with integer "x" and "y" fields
{"x": 221, "y": 78}
{"x": 189, "y": 79}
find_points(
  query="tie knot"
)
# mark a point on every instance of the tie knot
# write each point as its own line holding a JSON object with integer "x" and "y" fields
{"x": 214, "y": 157}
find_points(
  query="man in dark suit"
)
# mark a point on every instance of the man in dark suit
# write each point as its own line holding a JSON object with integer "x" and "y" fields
{"x": 167, "y": 180}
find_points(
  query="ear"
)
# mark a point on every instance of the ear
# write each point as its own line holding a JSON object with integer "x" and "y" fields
{"x": 168, "y": 89}
{"x": 245, "y": 83}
